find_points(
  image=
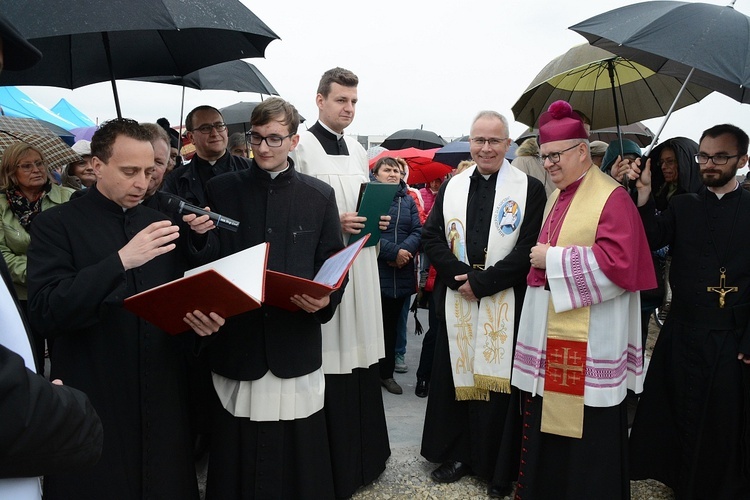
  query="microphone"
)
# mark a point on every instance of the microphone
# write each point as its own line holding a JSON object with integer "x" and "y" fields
{"x": 183, "y": 207}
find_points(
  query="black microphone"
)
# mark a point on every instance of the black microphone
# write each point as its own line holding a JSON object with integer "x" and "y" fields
{"x": 183, "y": 207}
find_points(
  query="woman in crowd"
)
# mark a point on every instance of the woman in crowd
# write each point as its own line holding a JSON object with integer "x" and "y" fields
{"x": 398, "y": 247}
{"x": 25, "y": 190}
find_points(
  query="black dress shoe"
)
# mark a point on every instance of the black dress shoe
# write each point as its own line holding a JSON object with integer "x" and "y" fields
{"x": 495, "y": 491}
{"x": 450, "y": 472}
{"x": 422, "y": 388}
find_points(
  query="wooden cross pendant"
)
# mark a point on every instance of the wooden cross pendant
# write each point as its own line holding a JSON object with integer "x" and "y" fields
{"x": 722, "y": 289}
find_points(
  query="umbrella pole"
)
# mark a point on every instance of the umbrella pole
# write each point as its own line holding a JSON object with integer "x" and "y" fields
{"x": 105, "y": 39}
{"x": 669, "y": 113}
{"x": 182, "y": 108}
{"x": 611, "y": 70}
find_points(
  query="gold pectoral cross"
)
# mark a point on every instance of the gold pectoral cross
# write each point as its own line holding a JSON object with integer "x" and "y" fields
{"x": 722, "y": 289}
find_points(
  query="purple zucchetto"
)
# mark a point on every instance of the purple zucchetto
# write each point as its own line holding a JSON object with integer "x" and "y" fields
{"x": 560, "y": 123}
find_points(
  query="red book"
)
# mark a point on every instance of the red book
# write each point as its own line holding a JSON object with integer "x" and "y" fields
{"x": 228, "y": 286}
{"x": 280, "y": 287}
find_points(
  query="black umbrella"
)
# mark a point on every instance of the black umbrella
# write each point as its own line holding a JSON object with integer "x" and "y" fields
{"x": 413, "y": 138}
{"x": 89, "y": 41}
{"x": 453, "y": 153}
{"x": 237, "y": 116}
{"x": 636, "y": 132}
{"x": 700, "y": 43}
{"x": 239, "y": 76}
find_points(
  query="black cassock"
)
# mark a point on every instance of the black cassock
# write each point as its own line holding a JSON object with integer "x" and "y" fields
{"x": 485, "y": 435}
{"x": 133, "y": 372}
{"x": 691, "y": 421}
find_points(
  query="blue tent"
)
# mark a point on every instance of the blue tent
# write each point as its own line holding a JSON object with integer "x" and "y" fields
{"x": 13, "y": 102}
{"x": 69, "y": 112}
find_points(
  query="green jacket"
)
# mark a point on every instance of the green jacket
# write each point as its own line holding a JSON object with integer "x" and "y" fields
{"x": 14, "y": 239}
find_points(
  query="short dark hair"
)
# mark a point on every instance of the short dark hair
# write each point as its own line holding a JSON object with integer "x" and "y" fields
{"x": 104, "y": 138}
{"x": 189, "y": 117}
{"x": 342, "y": 76}
{"x": 386, "y": 160}
{"x": 271, "y": 108}
{"x": 739, "y": 135}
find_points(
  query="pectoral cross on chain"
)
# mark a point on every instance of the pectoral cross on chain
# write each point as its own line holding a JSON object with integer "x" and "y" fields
{"x": 722, "y": 289}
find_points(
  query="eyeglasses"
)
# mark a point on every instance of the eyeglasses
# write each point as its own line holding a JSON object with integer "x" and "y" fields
{"x": 207, "y": 128}
{"x": 668, "y": 162}
{"x": 273, "y": 141}
{"x": 481, "y": 141}
{"x": 717, "y": 159}
{"x": 555, "y": 157}
{"x": 28, "y": 167}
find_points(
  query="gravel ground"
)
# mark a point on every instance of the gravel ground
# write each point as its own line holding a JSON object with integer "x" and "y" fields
{"x": 407, "y": 474}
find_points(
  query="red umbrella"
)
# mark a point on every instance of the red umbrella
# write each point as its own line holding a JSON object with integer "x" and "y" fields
{"x": 422, "y": 167}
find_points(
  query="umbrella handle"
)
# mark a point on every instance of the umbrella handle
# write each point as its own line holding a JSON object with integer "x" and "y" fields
{"x": 669, "y": 113}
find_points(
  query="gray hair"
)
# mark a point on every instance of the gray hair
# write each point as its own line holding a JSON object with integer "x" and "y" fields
{"x": 492, "y": 114}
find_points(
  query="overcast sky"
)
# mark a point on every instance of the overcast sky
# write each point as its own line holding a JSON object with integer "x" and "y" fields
{"x": 421, "y": 63}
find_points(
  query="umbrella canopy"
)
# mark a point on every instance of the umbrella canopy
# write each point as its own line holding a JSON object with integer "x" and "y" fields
{"x": 609, "y": 89}
{"x": 453, "y": 153}
{"x": 636, "y": 132}
{"x": 413, "y": 138}
{"x": 239, "y": 76}
{"x": 56, "y": 152}
{"x": 35, "y": 127}
{"x": 84, "y": 132}
{"x": 422, "y": 168}
{"x": 89, "y": 41}
{"x": 674, "y": 37}
{"x": 237, "y": 116}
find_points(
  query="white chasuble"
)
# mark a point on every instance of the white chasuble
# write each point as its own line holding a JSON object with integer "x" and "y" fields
{"x": 480, "y": 336}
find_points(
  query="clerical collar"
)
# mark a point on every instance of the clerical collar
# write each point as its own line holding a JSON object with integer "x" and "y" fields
{"x": 721, "y": 195}
{"x": 276, "y": 174}
{"x": 338, "y": 136}
{"x": 333, "y": 144}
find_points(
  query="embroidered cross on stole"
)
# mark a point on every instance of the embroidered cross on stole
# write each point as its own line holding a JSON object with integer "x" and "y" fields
{"x": 568, "y": 332}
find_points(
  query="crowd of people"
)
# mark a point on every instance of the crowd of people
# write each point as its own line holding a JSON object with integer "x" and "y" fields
{"x": 539, "y": 278}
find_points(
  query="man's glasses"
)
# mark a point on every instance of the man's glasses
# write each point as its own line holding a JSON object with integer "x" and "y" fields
{"x": 28, "y": 167}
{"x": 481, "y": 141}
{"x": 717, "y": 159}
{"x": 555, "y": 157}
{"x": 273, "y": 141}
{"x": 207, "y": 128}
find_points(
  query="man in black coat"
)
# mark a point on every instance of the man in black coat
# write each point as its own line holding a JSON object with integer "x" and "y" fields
{"x": 208, "y": 133}
{"x": 695, "y": 402}
{"x": 45, "y": 427}
{"x": 85, "y": 258}
{"x": 478, "y": 237}
{"x": 266, "y": 363}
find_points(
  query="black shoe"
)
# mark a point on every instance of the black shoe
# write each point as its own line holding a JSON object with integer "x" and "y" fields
{"x": 450, "y": 472}
{"x": 391, "y": 386}
{"x": 422, "y": 388}
{"x": 494, "y": 491}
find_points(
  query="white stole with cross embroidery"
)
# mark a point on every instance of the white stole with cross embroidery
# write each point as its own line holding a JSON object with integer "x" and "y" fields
{"x": 480, "y": 336}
